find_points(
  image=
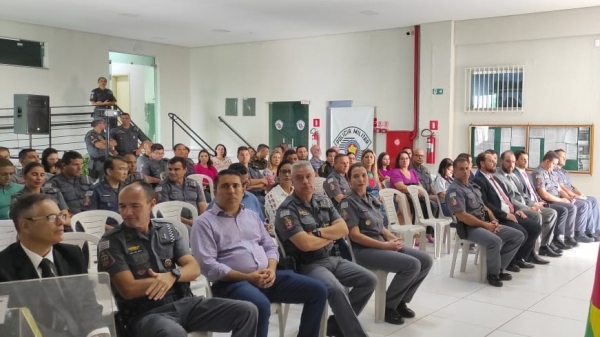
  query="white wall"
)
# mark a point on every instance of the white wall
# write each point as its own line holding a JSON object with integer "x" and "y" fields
{"x": 77, "y": 59}
{"x": 139, "y": 78}
{"x": 562, "y": 76}
{"x": 370, "y": 68}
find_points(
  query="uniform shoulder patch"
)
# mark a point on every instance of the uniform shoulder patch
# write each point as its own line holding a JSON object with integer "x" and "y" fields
{"x": 158, "y": 189}
{"x": 330, "y": 180}
{"x": 344, "y": 204}
{"x": 105, "y": 259}
{"x": 284, "y": 212}
{"x": 452, "y": 194}
{"x": 103, "y": 245}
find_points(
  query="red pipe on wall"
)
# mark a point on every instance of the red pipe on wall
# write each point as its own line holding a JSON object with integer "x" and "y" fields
{"x": 415, "y": 130}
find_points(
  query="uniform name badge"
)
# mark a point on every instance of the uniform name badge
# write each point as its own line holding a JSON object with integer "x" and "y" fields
{"x": 168, "y": 263}
{"x": 87, "y": 199}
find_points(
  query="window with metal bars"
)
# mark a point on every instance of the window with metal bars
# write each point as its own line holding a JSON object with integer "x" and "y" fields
{"x": 494, "y": 89}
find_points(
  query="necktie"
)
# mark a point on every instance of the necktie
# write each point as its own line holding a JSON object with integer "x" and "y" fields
{"x": 511, "y": 207}
{"x": 529, "y": 188}
{"x": 61, "y": 318}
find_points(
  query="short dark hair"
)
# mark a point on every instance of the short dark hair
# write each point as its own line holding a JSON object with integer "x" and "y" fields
{"x": 2, "y": 148}
{"x": 559, "y": 150}
{"x": 459, "y": 160}
{"x": 176, "y": 160}
{"x": 288, "y": 153}
{"x": 506, "y": 153}
{"x": 283, "y": 162}
{"x": 70, "y": 155}
{"x": 380, "y": 159}
{"x": 125, "y": 114}
{"x": 101, "y": 78}
{"x": 550, "y": 155}
{"x": 23, "y": 153}
{"x": 30, "y": 167}
{"x": 464, "y": 155}
{"x": 176, "y": 145}
{"x": 261, "y": 147}
{"x": 354, "y": 167}
{"x": 239, "y": 168}
{"x": 228, "y": 172}
{"x": 242, "y": 148}
{"x": 5, "y": 162}
{"x": 491, "y": 151}
{"x": 156, "y": 146}
{"x": 23, "y": 204}
{"x": 407, "y": 148}
{"x": 330, "y": 151}
{"x": 146, "y": 188}
{"x": 481, "y": 158}
{"x": 47, "y": 152}
{"x": 224, "y": 150}
{"x": 519, "y": 153}
{"x": 397, "y": 163}
{"x": 110, "y": 163}
{"x": 444, "y": 164}
{"x": 339, "y": 155}
{"x": 301, "y": 146}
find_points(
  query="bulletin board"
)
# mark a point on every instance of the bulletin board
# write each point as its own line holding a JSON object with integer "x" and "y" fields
{"x": 536, "y": 140}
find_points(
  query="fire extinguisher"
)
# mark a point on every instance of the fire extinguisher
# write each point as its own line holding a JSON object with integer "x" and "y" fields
{"x": 430, "y": 145}
{"x": 314, "y": 134}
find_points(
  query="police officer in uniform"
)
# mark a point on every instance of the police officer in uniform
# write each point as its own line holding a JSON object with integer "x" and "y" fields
{"x": 327, "y": 166}
{"x": 477, "y": 223}
{"x": 34, "y": 184}
{"x": 336, "y": 185}
{"x": 178, "y": 188}
{"x": 105, "y": 194}
{"x": 103, "y": 98}
{"x": 27, "y": 156}
{"x": 308, "y": 225}
{"x": 75, "y": 187}
{"x": 180, "y": 150}
{"x": 376, "y": 248}
{"x": 128, "y": 137}
{"x": 95, "y": 142}
{"x": 132, "y": 173}
{"x": 150, "y": 268}
{"x": 155, "y": 165}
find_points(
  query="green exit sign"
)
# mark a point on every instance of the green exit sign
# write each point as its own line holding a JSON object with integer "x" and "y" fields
{"x": 438, "y": 91}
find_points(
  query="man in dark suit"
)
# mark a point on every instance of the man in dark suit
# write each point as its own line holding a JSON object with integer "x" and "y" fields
{"x": 496, "y": 199}
{"x": 61, "y": 311}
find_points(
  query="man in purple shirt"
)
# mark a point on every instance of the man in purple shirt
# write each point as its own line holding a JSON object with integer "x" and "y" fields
{"x": 237, "y": 254}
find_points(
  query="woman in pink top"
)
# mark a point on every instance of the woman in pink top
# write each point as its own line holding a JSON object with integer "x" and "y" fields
{"x": 383, "y": 163}
{"x": 205, "y": 166}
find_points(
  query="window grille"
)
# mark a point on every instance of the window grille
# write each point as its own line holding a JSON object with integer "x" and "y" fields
{"x": 494, "y": 89}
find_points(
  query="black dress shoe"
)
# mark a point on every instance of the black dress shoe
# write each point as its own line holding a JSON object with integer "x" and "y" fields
{"x": 333, "y": 330}
{"x": 571, "y": 242}
{"x": 555, "y": 249}
{"x": 593, "y": 236}
{"x": 535, "y": 259}
{"x": 513, "y": 267}
{"x": 393, "y": 317}
{"x": 494, "y": 280}
{"x": 583, "y": 239}
{"x": 404, "y": 311}
{"x": 547, "y": 251}
{"x": 505, "y": 276}
{"x": 523, "y": 265}
{"x": 561, "y": 244}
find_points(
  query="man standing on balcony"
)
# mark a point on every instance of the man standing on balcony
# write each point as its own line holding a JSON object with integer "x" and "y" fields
{"x": 129, "y": 138}
{"x": 95, "y": 141}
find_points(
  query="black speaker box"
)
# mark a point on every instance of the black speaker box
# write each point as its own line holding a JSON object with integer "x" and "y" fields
{"x": 32, "y": 114}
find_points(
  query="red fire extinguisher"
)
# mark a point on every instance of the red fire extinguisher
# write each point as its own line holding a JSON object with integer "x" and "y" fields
{"x": 430, "y": 145}
{"x": 314, "y": 136}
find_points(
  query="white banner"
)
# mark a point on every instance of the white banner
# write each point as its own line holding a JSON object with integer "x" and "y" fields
{"x": 351, "y": 129}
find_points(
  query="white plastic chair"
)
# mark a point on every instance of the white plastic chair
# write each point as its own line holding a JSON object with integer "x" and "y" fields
{"x": 199, "y": 178}
{"x": 380, "y": 289}
{"x": 93, "y": 223}
{"x": 405, "y": 231}
{"x": 480, "y": 255}
{"x": 79, "y": 239}
{"x": 438, "y": 223}
{"x": 8, "y": 233}
{"x": 171, "y": 210}
{"x": 319, "y": 186}
{"x": 447, "y": 229}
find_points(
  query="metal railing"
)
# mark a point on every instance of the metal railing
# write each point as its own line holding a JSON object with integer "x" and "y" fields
{"x": 233, "y": 130}
{"x": 175, "y": 120}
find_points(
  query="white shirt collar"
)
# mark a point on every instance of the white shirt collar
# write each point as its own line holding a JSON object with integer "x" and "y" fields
{"x": 281, "y": 192}
{"x": 36, "y": 259}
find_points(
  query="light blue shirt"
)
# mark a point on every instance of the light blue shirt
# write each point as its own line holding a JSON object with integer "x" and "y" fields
{"x": 250, "y": 201}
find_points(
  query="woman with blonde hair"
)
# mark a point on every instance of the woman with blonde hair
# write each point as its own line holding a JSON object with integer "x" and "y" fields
{"x": 374, "y": 185}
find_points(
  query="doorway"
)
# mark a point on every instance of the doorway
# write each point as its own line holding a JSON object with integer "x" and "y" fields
{"x": 288, "y": 124}
{"x": 137, "y": 97}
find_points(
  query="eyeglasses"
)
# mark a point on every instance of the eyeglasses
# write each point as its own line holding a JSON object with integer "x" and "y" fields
{"x": 51, "y": 217}
{"x": 285, "y": 172}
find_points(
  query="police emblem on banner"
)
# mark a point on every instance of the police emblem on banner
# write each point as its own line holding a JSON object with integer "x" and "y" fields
{"x": 353, "y": 140}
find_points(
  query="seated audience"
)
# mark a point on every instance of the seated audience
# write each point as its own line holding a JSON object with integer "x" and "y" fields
{"x": 144, "y": 156}
{"x": 278, "y": 193}
{"x": 259, "y": 160}
{"x": 271, "y": 171}
{"x": 156, "y": 164}
{"x": 290, "y": 155}
{"x": 180, "y": 150}
{"x": 257, "y": 184}
{"x": 4, "y": 153}
{"x": 302, "y": 152}
{"x": 495, "y": 199}
{"x": 51, "y": 161}
{"x": 176, "y": 187}
{"x": 315, "y": 159}
{"x": 7, "y": 186}
{"x": 336, "y": 184}
{"x": 470, "y": 160}
{"x": 75, "y": 186}
{"x": 408, "y": 150}
{"x": 442, "y": 181}
{"x": 220, "y": 159}
{"x": 152, "y": 286}
{"x": 478, "y": 224}
{"x": 351, "y": 158}
{"x": 247, "y": 270}
{"x": 34, "y": 184}
{"x": 327, "y": 167}
{"x": 376, "y": 248}
{"x": 308, "y": 224}
{"x": 39, "y": 254}
{"x": 105, "y": 194}
{"x": 205, "y": 166}
{"x": 27, "y": 156}
{"x": 374, "y": 184}
{"x": 424, "y": 179}
{"x": 383, "y": 163}
{"x": 132, "y": 173}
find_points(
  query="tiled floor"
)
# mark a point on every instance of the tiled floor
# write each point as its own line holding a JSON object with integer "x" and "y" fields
{"x": 546, "y": 301}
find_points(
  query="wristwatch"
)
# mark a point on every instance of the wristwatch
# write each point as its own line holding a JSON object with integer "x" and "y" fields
{"x": 316, "y": 232}
{"x": 177, "y": 273}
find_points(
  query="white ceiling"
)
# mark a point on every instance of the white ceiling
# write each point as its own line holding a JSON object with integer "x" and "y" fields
{"x": 192, "y": 23}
